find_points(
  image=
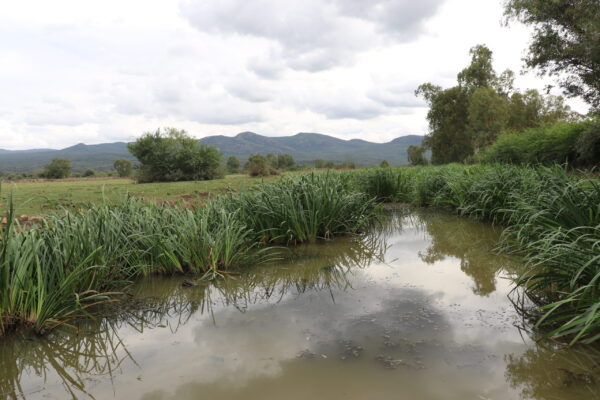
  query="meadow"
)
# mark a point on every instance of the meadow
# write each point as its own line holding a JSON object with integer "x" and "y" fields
{"x": 50, "y": 196}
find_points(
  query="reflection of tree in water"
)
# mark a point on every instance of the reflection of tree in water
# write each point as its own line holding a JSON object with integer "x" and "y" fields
{"x": 98, "y": 350}
{"x": 550, "y": 372}
{"x": 470, "y": 241}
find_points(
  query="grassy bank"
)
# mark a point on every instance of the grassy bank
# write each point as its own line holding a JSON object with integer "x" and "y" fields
{"x": 53, "y": 273}
{"x": 552, "y": 218}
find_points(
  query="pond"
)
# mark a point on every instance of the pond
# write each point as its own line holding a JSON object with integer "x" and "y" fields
{"x": 419, "y": 309}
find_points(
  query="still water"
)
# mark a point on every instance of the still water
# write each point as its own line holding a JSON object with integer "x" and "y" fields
{"x": 417, "y": 310}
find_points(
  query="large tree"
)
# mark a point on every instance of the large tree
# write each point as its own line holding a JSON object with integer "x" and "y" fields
{"x": 172, "y": 155}
{"x": 566, "y": 42}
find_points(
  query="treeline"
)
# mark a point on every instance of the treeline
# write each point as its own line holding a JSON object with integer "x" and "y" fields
{"x": 483, "y": 106}
{"x": 483, "y": 118}
{"x": 60, "y": 168}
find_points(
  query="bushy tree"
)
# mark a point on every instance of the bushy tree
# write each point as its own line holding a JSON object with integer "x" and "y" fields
{"x": 123, "y": 167}
{"x": 257, "y": 165}
{"x": 384, "y": 164}
{"x": 319, "y": 163}
{"x": 285, "y": 161}
{"x": 172, "y": 155}
{"x": 416, "y": 155}
{"x": 233, "y": 164}
{"x": 470, "y": 116}
{"x": 565, "y": 43}
{"x": 59, "y": 168}
{"x": 88, "y": 172}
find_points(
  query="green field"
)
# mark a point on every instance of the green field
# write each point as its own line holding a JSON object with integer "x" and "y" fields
{"x": 47, "y": 197}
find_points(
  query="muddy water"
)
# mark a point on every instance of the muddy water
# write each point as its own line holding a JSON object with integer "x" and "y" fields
{"x": 418, "y": 310}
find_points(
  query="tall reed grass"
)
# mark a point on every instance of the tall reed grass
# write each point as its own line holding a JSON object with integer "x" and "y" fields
{"x": 52, "y": 273}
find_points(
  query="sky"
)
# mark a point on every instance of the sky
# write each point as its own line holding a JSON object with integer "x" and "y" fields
{"x": 82, "y": 71}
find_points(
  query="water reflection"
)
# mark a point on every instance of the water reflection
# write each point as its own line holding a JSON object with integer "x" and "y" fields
{"x": 98, "y": 350}
{"x": 549, "y": 371}
{"x": 473, "y": 244}
{"x": 415, "y": 309}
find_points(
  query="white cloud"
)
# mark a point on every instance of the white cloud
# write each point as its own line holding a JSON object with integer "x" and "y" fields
{"x": 74, "y": 71}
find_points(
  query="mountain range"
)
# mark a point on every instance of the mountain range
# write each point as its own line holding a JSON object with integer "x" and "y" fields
{"x": 304, "y": 147}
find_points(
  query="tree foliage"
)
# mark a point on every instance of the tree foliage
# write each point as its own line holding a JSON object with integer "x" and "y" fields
{"x": 556, "y": 143}
{"x": 172, "y": 155}
{"x": 466, "y": 118}
{"x": 258, "y": 165}
{"x": 233, "y": 164}
{"x": 59, "y": 168}
{"x": 565, "y": 43}
{"x": 123, "y": 167}
{"x": 416, "y": 155}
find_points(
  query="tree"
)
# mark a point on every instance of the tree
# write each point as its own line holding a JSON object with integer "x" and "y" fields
{"x": 233, "y": 164}
{"x": 448, "y": 139}
{"x": 88, "y": 172}
{"x": 271, "y": 160}
{"x": 480, "y": 73}
{"x": 257, "y": 165}
{"x": 384, "y": 164}
{"x": 319, "y": 163}
{"x": 566, "y": 42}
{"x": 416, "y": 155}
{"x": 59, "y": 168}
{"x": 285, "y": 161}
{"x": 173, "y": 155}
{"x": 470, "y": 116}
{"x": 488, "y": 115}
{"x": 123, "y": 167}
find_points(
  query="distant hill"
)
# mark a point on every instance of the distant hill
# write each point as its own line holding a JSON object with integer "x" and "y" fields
{"x": 304, "y": 147}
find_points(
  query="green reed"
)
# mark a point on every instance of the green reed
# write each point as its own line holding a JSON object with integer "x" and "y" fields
{"x": 53, "y": 273}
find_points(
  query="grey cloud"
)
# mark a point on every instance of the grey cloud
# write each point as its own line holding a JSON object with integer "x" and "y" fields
{"x": 401, "y": 17}
{"x": 395, "y": 97}
{"x": 347, "y": 109}
{"x": 312, "y": 35}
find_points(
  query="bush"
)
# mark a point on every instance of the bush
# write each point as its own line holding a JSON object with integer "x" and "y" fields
{"x": 174, "y": 156}
{"x": 233, "y": 165}
{"x": 59, "y": 168}
{"x": 588, "y": 145}
{"x": 123, "y": 167}
{"x": 258, "y": 165}
{"x": 88, "y": 172}
{"x": 550, "y": 144}
{"x": 416, "y": 155}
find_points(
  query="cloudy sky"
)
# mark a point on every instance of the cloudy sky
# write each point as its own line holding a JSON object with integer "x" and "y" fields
{"x": 99, "y": 71}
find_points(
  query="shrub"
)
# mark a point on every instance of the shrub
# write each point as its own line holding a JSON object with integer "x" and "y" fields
{"x": 588, "y": 145}
{"x": 123, "y": 167}
{"x": 59, "y": 168}
{"x": 233, "y": 165}
{"x": 257, "y": 165}
{"x": 551, "y": 144}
